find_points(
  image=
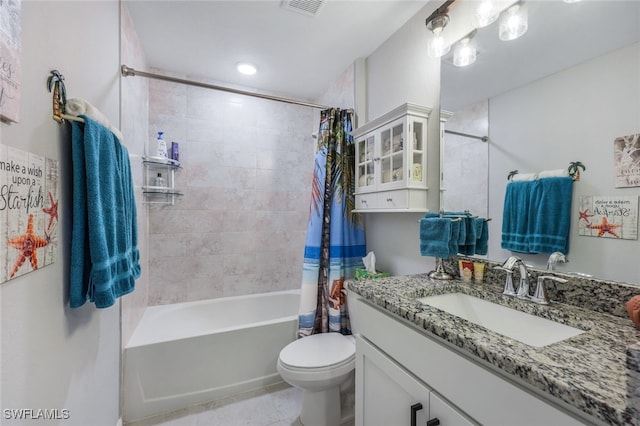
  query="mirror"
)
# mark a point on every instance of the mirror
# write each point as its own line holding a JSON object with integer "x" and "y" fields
{"x": 561, "y": 37}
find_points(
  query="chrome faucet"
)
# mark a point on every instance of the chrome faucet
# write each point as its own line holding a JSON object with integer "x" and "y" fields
{"x": 540, "y": 295}
{"x": 555, "y": 258}
{"x": 523, "y": 286}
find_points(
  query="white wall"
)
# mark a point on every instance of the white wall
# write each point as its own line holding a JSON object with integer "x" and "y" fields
{"x": 570, "y": 116}
{"x": 400, "y": 71}
{"x": 51, "y": 356}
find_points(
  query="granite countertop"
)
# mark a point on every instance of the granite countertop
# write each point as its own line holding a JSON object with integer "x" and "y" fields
{"x": 597, "y": 372}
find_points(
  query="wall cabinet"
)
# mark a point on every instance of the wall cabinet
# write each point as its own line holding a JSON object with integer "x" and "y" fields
{"x": 163, "y": 192}
{"x": 386, "y": 394}
{"x": 391, "y": 161}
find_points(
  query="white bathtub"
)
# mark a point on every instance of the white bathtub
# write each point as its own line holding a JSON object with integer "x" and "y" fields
{"x": 194, "y": 352}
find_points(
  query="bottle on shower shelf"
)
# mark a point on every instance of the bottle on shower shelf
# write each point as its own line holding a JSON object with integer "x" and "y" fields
{"x": 159, "y": 181}
{"x": 161, "y": 146}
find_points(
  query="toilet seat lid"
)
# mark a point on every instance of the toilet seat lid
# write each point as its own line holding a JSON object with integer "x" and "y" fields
{"x": 318, "y": 350}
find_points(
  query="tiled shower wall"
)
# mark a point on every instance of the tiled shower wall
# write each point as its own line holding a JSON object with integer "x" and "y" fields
{"x": 246, "y": 171}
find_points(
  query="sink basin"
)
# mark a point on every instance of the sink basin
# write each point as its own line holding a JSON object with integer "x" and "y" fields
{"x": 526, "y": 328}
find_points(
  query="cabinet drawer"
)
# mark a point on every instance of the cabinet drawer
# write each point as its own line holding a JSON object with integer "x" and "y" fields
{"x": 367, "y": 201}
{"x": 393, "y": 199}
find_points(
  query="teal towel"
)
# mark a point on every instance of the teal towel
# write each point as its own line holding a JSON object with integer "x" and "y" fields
{"x": 537, "y": 215}
{"x": 435, "y": 236}
{"x": 550, "y": 215}
{"x": 515, "y": 216}
{"x": 104, "y": 254}
{"x": 482, "y": 245}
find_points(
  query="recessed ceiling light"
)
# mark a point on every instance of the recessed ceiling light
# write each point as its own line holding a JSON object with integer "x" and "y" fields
{"x": 246, "y": 69}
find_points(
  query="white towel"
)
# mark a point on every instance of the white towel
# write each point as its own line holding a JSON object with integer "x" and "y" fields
{"x": 524, "y": 177}
{"x": 78, "y": 106}
{"x": 553, "y": 173}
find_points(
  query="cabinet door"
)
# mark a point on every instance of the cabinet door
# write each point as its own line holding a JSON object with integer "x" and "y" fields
{"x": 418, "y": 151}
{"x": 447, "y": 415}
{"x": 385, "y": 392}
{"x": 365, "y": 163}
{"x": 392, "y": 155}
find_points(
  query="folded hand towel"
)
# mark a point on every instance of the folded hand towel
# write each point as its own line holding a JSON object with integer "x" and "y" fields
{"x": 482, "y": 245}
{"x": 553, "y": 173}
{"x": 550, "y": 215}
{"x": 521, "y": 177}
{"x": 78, "y": 106}
{"x": 515, "y": 217}
{"x": 453, "y": 240}
{"x": 435, "y": 235}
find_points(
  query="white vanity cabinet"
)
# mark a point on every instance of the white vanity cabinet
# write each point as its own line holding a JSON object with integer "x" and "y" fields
{"x": 398, "y": 365}
{"x": 386, "y": 394}
{"x": 391, "y": 161}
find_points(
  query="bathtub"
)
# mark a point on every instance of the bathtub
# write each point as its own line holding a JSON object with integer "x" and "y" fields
{"x": 194, "y": 352}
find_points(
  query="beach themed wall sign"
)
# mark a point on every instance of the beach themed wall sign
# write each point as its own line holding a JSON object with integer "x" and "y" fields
{"x": 28, "y": 212}
{"x": 608, "y": 217}
{"x": 10, "y": 65}
{"x": 627, "y": 160}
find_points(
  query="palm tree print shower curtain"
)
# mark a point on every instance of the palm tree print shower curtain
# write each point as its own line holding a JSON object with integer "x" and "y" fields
{"x": 335, "y": 241}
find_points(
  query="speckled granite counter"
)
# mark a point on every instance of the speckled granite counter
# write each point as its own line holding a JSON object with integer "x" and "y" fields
{"x": 597, "y": 371}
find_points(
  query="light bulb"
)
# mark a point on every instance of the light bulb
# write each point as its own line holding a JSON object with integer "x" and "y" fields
{"x": 513, "y": 22}
{"x": 464, "y": 53}
{"x": 486, "y": 14}
{"x": 438, "y": 47}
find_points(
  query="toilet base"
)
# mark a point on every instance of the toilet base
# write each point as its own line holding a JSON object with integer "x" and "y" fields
{"x": 321, "y": 408}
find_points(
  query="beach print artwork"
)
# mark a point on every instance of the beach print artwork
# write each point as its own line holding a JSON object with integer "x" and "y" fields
{"x": 627, "y": 160}
{"x": 609, "y": 217}
{"x": 10, "y": 65}
{"x": 28, "y": 212}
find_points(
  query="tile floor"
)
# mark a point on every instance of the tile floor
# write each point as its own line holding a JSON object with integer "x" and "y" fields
{"x": 277, "y": 405}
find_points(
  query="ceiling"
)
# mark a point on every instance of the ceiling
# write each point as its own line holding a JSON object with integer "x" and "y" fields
{"x": 560, "y": 35}
{"x": 300, "y": 56}
{"x": 297, "y": 55}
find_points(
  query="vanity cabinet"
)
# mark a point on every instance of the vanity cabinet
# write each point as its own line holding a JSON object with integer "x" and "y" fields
{"x": 165, "y": 193}
{"x": 425, "y": 369}
{"x": 391, "y": 161}
{"x": 386, "y": 394}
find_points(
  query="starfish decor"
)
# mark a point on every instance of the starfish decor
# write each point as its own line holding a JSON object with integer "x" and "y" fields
{"x": 52, "y": 212}
{"x": 605, "y": 227}
{"x": 27, "y": 243}
{"x": 585, "y": 215}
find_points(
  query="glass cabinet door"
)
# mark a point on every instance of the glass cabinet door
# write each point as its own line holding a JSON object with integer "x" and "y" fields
{"x": 418, "y": 152}
{"x": 366, "y": 155}
{"x": 391, "y": 158}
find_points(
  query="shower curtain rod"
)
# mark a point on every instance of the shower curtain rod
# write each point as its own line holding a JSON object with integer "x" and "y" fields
{"x": 128, "y": 71}
{"x": 467, "y": 135}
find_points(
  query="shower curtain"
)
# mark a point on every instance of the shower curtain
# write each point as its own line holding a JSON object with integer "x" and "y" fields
{"x": 335, "y": 241}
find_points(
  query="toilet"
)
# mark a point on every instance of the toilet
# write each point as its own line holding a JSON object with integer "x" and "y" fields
{"x": 319, "y": 364}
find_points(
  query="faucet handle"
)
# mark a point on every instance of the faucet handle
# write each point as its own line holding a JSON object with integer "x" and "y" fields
{"x": 508, "y": 290}
{"x": 540, "y": 295}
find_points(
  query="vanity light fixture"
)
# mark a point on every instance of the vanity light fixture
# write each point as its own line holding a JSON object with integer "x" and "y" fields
{"x": 438, "y": 47}
{"x": 246, "y": 68}
{"x": 486, "y": 14}
{"x": 513, "y": 22}
{"x": 464, "y": 53}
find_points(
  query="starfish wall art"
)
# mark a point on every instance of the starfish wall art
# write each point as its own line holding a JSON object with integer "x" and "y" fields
{"x": 28, "y": 212}
{"x": 608, "y": 217}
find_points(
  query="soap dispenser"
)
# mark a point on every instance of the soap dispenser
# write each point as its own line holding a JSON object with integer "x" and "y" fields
{"x": 161, "y": 146}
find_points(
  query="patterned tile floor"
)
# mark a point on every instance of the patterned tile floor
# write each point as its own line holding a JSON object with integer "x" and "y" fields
{"x": 277, "y": 405}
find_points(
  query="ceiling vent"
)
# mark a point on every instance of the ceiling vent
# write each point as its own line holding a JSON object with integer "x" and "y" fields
{"x": 306, "y": 7}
